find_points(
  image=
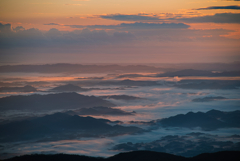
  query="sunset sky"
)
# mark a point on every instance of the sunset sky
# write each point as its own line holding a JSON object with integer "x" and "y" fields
{"x": 119, "y": 31}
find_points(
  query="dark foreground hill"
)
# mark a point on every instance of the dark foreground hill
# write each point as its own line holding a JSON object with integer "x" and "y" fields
{"x": 133, "y": 156}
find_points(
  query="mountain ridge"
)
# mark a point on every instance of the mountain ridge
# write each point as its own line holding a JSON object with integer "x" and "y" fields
{"x": 133, "y": 156}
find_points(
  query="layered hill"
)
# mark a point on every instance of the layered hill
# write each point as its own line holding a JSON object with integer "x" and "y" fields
{"x": 51, "y": 102}
{"x": 60, "y": 126}
{"x": 210, "y": 120}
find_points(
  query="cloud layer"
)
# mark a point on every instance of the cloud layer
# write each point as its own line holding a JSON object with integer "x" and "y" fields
{"x": 123, "y": 17}
{"x": 220, "y": 7}
{"x": 136, "y": 25}
{"x": 115, "y": 42}
{"x": 19, "y": 37}
{"x": 217, "y": 18}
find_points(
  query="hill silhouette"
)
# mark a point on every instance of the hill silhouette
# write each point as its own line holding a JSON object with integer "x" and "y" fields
{"x": 208, "y": 84}
{"x": 51, "y": 102}
{"x": 133, "y": 156}
{"x": 145, "y": 156}
{"x": 194, "y": 72}
{"x": 100, "y": 110}
{"x": 26, "y": 88}
{"x": 210, "y": 120}
{"x": 188, "y": 145}
{"x": 61, "y": 126}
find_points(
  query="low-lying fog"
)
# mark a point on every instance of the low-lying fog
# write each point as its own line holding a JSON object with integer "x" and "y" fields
{"x": 154, "y": 98}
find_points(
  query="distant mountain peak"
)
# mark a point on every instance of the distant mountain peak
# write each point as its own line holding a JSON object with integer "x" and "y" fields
{"x": 68, "y": 87}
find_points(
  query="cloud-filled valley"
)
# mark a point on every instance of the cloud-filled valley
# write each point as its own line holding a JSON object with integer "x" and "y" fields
{"x": 141, "y": 107}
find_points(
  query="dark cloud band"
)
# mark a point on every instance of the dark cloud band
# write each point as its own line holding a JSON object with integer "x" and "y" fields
{"x": 136, "y": 25}
{"x": 121, "y": 17}
{"x": 220, "y": 7}
{"x": 217, "y": 18}
{"x": 52, "y": 24}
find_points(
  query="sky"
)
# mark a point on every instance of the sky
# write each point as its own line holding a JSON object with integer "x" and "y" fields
{"x": 119, "y": 31}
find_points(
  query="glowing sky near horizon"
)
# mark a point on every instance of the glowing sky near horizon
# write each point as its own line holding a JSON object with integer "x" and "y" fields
{"x": 119, "y": 31}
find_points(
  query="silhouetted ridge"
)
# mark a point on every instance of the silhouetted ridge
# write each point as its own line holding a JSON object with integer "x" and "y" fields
{"x": 216, "y": 113}
{"x": 61, "y": 126}
{"x": 188, "y": 145}
{"x": 68, "y": 88}
{"x": 145, "y": 156}
{"x": 193, "y": 72}
{"x": 191, "y": 119}
{"x": 55, "y": 157}
{"x": 100, "y": 110}
{"x": 133, "y": 156}
{"x": 218, "y": 156}
{"x": 210, "y": 120}
{"x": 208, "y": 84}
{"x": 26, "y": 88}
{"x": 51, "y": 102}
{"x": 186, "y": 72}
